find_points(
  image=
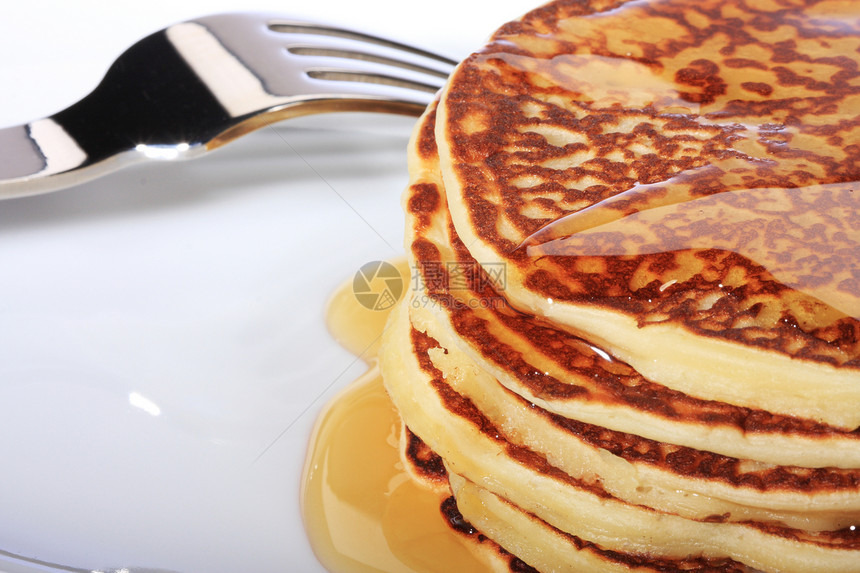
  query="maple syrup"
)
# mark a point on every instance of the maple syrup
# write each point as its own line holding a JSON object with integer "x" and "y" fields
{"x": 361, "y": 510}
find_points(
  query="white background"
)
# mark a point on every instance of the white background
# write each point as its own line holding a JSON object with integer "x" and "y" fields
{"x": 163, "y": 353}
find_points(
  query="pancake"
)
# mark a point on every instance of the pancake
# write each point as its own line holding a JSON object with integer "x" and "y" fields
{"x": 526, "y": 534}
{"x": 669, "y": 478}
{"x": 427, "y": 470}
{"x": 674, "y": 184}
{"x": 553, "y": 550}
{"x": 569, "y": 376}
{"x": 718, "y": 485}
{"x": 474, "y": 448}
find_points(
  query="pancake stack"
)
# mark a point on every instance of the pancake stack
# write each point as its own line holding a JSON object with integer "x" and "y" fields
{"x": 633, "y": 339}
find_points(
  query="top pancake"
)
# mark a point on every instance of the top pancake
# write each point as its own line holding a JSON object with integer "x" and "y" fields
{"x": 674, "y": 181}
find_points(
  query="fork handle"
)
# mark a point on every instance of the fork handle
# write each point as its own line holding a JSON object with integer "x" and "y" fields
{"x": 22, "y": 156}
{"x": 129, "y": 117}
{"x": 41, "y": 156}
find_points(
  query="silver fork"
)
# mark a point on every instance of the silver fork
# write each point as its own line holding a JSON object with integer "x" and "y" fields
{"x": 197, "y": 85}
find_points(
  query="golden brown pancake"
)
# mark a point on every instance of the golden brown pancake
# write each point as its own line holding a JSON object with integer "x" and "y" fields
{"x": 550, "y": 548}
{"x": 571, "y": 377}
{"x": 474, "y": 448}
{"x": 664, "y": 476}
{"x": 427, "y": 469}
{"x": 553, "y": 550}
{"x": 674, "y": 182}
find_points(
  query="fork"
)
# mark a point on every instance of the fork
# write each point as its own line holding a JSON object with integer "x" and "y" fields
{"x": 200, "y": 84}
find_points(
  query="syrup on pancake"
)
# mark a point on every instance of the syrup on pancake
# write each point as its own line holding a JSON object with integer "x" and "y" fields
{"x": 667, "y": 376}
{"x": 692, "y": 121}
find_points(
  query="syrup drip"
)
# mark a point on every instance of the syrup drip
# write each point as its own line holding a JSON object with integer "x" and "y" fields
{"x": 362, "y": 512}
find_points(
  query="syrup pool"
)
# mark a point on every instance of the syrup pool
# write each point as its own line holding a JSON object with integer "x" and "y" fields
{"x": 361, "y": 510}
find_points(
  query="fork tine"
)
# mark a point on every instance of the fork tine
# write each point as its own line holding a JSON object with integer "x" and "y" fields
{"x": 339, "y": 65}
{"x": 365, "y": 68}
{"x": 343, "y": 75}
{"x": 297, "y": 27}
{"x": 338, "y": 54}
{"x": 364, "y": 56}
{"x": 347, "y": 61}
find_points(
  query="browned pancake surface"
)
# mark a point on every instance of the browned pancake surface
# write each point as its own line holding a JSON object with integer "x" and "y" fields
{"x": 584, "y": 113}
{"x": 591, "y": 376}
{"x": 462, "y": 407}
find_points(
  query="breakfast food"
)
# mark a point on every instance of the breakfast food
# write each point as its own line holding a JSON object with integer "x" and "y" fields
{"x": 635, "y": 341}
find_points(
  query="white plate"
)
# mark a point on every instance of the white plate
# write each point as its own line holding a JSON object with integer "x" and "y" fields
{"x": 163, "y": 352}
